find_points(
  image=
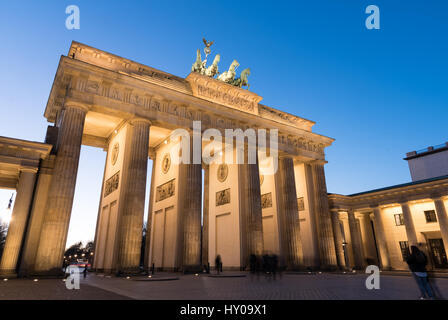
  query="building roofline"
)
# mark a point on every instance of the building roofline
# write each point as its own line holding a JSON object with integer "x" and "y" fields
{"x": 399, "y": 186}
{"x": 427, "y": 151}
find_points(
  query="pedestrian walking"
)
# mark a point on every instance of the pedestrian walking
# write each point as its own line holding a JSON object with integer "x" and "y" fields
{"x": 218, "y": 264}
{"x": 417, "y": 262}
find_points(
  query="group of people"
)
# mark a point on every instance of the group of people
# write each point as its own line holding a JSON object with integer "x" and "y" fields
{"x": 268, "y": 264}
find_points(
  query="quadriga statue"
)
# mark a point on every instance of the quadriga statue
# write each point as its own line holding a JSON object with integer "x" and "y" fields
{"x": 213, "y": 69}
{"x": 229, "y": 76}
{"x": 197, "y": 65}
{"x": 243, "y": 79}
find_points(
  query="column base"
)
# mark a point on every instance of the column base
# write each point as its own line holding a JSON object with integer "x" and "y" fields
{"x": 299, "y": 268}
{"x": 53, "y": 273}
{"x": 191, "y": 269}
{"x": 8, "y": 274}
{"x": 127, "y": 272}
{"x": 330, "y": 268}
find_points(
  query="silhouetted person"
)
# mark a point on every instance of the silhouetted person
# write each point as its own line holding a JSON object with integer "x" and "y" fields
{"x": 253, "y": 264}
{"x": 259, "y": 266}
{"x": 274, "y": 264}
{"x": 218, "y": 263}
{"x": 417, "y": 262}
{"x": 266, "y": 266}
{"x": 85, "y": 272}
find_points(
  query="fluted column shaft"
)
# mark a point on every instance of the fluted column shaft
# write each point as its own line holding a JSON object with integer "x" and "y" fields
{"x": 443, "y": 220}
{"x": 381, "y": 238}
{"x": 190, "y": 194}
{"x": 132, "y": 198}
{"x": 338, "y": 239}
{"x": 205, "y": 217}
{"x": 19, "y": 218}
{"x": 250, "y": 210}
{"x": 409, "y": 224}
{"x": 288, "y": 214}
{"x": 356, "y": 240}
{"x": 62, "y": 188}
{"x": 327, "y": 249}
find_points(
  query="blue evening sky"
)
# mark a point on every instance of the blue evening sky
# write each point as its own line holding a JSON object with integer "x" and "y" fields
{"x": 379, "y": 93}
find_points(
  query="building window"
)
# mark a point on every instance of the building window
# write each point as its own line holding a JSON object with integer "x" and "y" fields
{"x": 404, "y": 246}
{"x": 399, "y": 220}
{"x": 430, "y": 216}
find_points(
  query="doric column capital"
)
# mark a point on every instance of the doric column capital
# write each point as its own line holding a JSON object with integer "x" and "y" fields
{"x": 318, "y": 162}
{"x": 76, "y": 105}
{"x": 374, "y": 206}
{"x": 28, "y": 169}
{"x": 137, "y": 120}
{"x": 335, "y": 212}
{"x": 282, "y": 155}
{"x": 403, "y": 202}
{"x": 436, "y": 196}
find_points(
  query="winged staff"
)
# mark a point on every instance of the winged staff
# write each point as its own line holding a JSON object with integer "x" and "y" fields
{"x": 207, "y": 49}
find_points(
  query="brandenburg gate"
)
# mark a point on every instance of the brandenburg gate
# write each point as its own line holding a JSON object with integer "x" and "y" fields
{"x": 197, "y": 209}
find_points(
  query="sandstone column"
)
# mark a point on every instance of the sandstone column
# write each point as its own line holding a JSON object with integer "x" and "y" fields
{"x": 355, "y": 239}
{"x": 147, "y": 263}
{"x": 205, "y": 216}
{"x": 443, "y": 220}
{"x": 288, "y": 214}
{"x": 381, "y": 238}
{"x": 132, "y": 198}
{"x": 409, "y": 224}
{"x": 190, "y": 194}
{"x": 368, "y": 241}
{"x": 62, "y": 188}
{"x": 338, "y": 239}
{"x": 19, "y": 219}
{"x": 250, "y": 209}
{"x": 324, "y": 226}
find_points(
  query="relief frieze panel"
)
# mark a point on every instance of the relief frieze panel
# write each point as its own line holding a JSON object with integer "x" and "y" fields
{"x": 112, "y": 184}
{"x": 266, "y": 200}
{"x": 222, "y": 197}
{"x": 165, "y": 191}
{"x": 139, "y": 98}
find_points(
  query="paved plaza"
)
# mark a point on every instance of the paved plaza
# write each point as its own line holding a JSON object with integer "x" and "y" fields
{"x": 203, "y": 287}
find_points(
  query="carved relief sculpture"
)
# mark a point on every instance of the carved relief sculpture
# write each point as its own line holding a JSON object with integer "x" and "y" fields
{"x": 112, "y": 184}
{"x": 115, "y": 152}
{"x": 300, "y": 204}
{"x": 223, "y": 171}
{"x": 165, "y": 190}
{"x": 166, "y": 163}
{"x": 222, "y": 197}
{"x": 266, "y": 200}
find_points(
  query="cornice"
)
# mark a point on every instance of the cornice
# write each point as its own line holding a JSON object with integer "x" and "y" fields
{"x": 399, "y": 195}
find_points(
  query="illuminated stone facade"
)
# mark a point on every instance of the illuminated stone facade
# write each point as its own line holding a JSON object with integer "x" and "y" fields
{"x": 378, "y": 227}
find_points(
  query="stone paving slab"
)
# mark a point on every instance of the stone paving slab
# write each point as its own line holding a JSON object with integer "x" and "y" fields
{"x": 52, "y": 289}
{"x": 202, "y": 287}
{"x": 295, "y": 287}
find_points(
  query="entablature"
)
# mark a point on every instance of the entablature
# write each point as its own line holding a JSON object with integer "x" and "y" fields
{"x": 412, "y": 192}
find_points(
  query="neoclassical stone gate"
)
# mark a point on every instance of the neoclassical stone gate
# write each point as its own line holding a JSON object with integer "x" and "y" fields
{"x": 129, "y": 110}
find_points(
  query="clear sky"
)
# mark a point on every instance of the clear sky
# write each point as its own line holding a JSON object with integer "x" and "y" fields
{"x": 379, "y": 93}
